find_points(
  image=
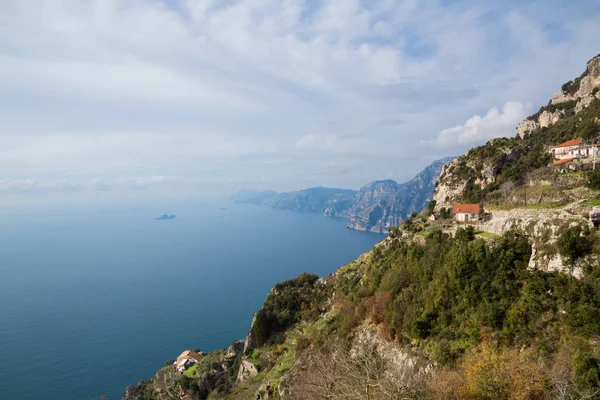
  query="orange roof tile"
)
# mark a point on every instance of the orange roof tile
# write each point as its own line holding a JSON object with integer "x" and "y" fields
{"x": 573, "y": 142}
{"x": 465, "y": 208}
{"x": 563, "y": 161}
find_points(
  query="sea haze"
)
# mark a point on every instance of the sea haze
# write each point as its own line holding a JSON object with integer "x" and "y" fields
{"x": 95, "y": 298}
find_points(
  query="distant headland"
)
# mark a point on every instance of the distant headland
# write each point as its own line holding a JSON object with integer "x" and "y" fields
{"x": 165, "y": 216}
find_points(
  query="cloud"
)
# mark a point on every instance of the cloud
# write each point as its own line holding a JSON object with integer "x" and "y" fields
{"x": 17, "y": 184}
{"x": 30, "y": 185}
{"x": 124, "y": 151}
{"x": 331, "y": 143}
{"x": 214, "y": 91}
{"x": 476, "y": 130}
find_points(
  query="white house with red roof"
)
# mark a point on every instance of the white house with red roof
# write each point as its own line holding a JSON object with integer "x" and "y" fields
{"x": 187, "y": 359}
{"x": 466, "y": 212}
{"x": 574, "y": 148}
{"x": 568, "y": 149}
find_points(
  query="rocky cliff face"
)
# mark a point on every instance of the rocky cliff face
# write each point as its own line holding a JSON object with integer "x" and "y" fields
{"x": 473, "y": 170}
{"x": 573, "y": 97}
{"x": 543, "y": 227}
{"x": 491, "y": 171}
{"x": 376, "y": 207}
{"x": 391, "y": 208}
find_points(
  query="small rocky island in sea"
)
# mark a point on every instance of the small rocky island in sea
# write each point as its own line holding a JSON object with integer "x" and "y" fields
{"x": 165, "y": 216}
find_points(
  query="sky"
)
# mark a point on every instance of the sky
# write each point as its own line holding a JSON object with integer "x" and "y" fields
{"x": 105, "y": 99}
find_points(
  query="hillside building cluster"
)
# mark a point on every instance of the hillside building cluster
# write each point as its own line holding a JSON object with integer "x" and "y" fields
{"x": 571, "y": 150}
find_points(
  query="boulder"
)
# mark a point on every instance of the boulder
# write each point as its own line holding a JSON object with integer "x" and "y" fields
{"x": 595, "y": 216}
{"x": 236, "y": 348}
{"x": 246, "y": 372}
{"x": 265, "y": 392}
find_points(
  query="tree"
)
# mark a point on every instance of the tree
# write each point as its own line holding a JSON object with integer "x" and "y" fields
{"x": 445, "y": 213}
{"x": 587, "y": 371}
{"x": 431, "y": 207}
{"x": 594, "y": 180}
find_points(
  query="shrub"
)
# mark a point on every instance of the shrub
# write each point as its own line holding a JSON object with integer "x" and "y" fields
{"x": 430, "y": 207}
{"x": 575, "y": 242}
{"x": 445, "y": 213}
{"x": 288, "y": 303}
{"x": 587, "y": 370}
{"x": 594, "y": 180}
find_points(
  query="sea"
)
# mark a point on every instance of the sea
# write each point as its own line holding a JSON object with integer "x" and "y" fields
{"x": 97, "y": 297}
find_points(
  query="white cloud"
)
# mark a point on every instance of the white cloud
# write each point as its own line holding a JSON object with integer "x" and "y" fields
{"x": 17, "y": 184}
{"x": 96, "y": 152}
{"x": 28, "y": 185}
{"x": 211, "y": 90}
{"x": 331, "y": 143}
{"x": 120, "y": 82}
{"x": 478, "y": 130}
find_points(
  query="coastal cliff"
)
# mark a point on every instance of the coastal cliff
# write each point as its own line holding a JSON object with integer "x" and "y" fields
{"x": 389, "y": 208}
{"x": 375, "y": 207}
{"x": 507, "y": 308}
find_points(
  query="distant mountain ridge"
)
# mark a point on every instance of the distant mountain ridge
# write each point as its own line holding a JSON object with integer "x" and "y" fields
{"x": 376, "y": 207}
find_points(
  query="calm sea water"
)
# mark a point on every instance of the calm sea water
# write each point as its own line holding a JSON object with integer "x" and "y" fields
{"x": 95, "y": 298}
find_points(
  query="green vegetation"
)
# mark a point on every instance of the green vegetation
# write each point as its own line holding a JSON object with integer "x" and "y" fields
{"x": 191, "y": 371}
{"x": 513, "y": 162}
{"x": 592, "y": 202}
{"x": 452, "y": 290}
{"x": 291, "y": 301}
{"x": 496, "y": 329}
{"x": 576, "y": 242}
{"x": 430, "y": 207}
{"x": 488, "y": 235}
{"x": 594, "y": 180}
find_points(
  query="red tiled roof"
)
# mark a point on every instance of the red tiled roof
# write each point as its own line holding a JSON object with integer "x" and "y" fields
{"x": 563, "y": 161}
{"x": 465, "y": 208}
{"x": 573, "y": 142}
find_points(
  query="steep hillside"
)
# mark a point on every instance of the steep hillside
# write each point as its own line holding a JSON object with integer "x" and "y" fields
{"x": 505, "y": 308}
{"x": 500, "y": 171}
{"x": 424, "y": 315}
{"x": 375, "y": 207}
{"x": 390, "y": 210}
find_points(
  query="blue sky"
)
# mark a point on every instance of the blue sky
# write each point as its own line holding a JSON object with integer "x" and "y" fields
{"x": 108, "y": 98}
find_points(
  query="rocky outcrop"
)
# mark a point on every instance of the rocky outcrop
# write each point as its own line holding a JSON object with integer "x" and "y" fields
{"x": 582, "y": 87}
{"x": 246, "y": 372}
{"x": 469, "y": 170}
{"x": 544, "y": 119}
{"x": 595, "y": 216}
{"x": 543, "y": 227}
{"x": 577, "y": 95}
{"x": 237, "y": 348}
{"x": 449, "y": 188}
